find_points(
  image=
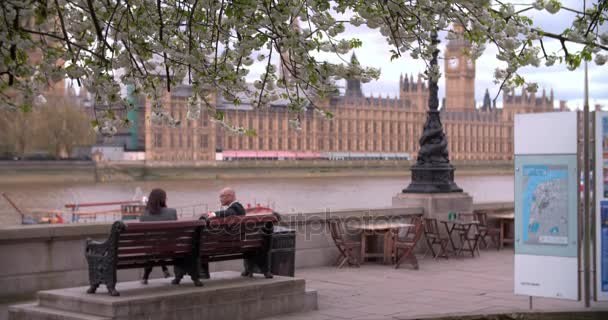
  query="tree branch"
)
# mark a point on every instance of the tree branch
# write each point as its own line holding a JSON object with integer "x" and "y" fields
{"x": 161, "y": 26}
{"x": 98, "y": 31}
{"x": 13, "y": 49}
{"x": 508, "y": 75}
{"x": 594, "y": 21}
{"x": 46, "y": 34}
{"x": 65, "y": 35}
{"x": 190, "y": 45}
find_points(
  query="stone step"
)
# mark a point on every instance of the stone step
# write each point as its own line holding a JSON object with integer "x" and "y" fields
{"x": 35, "y": 312}
{"x": 226, "y": 295}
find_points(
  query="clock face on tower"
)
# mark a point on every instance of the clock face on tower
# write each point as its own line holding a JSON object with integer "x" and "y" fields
{"x": 453, "y": 62}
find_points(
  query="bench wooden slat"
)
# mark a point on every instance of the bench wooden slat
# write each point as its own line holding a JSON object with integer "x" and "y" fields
{"x": 232, "y": 244}
{"x": 154, "y": 242}
{"x": 163, "y": 225}
{"x": 152, "y": 234}
{"x": 155, "y": 236}
{"x": 230, "y": 251}
{"x": 151, "y": 257}
{"x": 225, "y": 238}
{"x": 154, "y": 249}
{"x": 219, "y": 232}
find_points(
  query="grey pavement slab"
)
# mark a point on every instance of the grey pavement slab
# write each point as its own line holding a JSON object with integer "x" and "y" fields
{"x": 457, "y": 286}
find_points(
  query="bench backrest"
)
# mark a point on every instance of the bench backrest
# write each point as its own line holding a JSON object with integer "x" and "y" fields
{"x": 140, "y": 242}
{"x": 230, "y": 237}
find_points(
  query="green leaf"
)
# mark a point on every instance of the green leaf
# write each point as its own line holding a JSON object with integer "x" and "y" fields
{"x": 262, "y": 37}
{"x": 527, "y": 20}
{"x": 355, "y": 43}
{"x": 26, "y": 107}
{"x": 573, "y": 61}
{"x": 41, "y": 12}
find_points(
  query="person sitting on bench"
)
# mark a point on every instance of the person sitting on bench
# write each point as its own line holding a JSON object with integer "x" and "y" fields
{"x": 234, "y": 208}
{"x": 228, "y": 198}
{"x": 156, "y": 210}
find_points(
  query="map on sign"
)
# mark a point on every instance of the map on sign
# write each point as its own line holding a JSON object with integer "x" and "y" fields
{"x": 545, "y": 204}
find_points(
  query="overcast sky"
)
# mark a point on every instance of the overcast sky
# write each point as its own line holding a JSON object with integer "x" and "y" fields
{"x": 567, "y": 85}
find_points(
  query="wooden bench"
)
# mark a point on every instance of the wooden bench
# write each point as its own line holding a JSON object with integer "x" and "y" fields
{"x": 141, "y": 244}
{"x": 186, "y": 245}
{"x": 238, "y": 237}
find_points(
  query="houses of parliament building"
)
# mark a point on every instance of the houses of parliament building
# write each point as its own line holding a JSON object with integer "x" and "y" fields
{"x": 361, "y": 125}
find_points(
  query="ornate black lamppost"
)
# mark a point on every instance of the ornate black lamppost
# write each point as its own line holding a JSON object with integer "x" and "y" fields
{"x": 433, "y": 172}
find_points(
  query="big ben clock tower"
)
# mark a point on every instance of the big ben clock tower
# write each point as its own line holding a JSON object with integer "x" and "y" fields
{"x": 459, "y": 75}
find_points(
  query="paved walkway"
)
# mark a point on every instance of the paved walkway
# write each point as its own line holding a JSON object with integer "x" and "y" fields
{"x": 480, "y": 285}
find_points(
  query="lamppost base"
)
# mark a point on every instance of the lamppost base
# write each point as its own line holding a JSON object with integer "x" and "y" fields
{"x": 436, "y": 178}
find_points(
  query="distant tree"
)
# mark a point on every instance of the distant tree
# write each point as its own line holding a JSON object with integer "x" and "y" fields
{"x": 60, "y": 126}
{"x": 16, "y": 132}
{"x": 54, "y": 128}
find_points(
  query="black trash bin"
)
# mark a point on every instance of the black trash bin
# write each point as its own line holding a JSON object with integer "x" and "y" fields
{"x": 283, "y": 252}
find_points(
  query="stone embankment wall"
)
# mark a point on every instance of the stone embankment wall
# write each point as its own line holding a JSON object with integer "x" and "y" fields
{"x": 88, "y": 171}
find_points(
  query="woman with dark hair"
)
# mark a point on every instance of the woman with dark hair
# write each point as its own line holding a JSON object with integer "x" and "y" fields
{"x": 156, "y": 210}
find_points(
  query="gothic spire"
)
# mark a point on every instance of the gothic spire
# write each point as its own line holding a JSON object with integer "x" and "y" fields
{"x": 487, "y": 102}
{"x": 353, "y": 86}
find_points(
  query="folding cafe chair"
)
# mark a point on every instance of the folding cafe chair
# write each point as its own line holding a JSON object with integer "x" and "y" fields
{"x": 345, "y": 246}
{"x": 433, "y": 237}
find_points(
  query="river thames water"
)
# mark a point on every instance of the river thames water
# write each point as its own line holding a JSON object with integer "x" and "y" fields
{"x": 284, "y": 195}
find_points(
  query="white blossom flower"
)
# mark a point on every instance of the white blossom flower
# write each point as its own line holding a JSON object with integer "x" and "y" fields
{"x": 500, "y": 73}
{"x": 604, "y": 38}
{"x": 40, "y": 100}
{"x": 295, "y": 124}
{"x": 247, "y": 61}
{"x": 477, "y": 50}
{"x": 600, "y": 59}
{"x": 532, "y": 87}
{"x": 507, "y": 10}
{"x": 552, "y": 6}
